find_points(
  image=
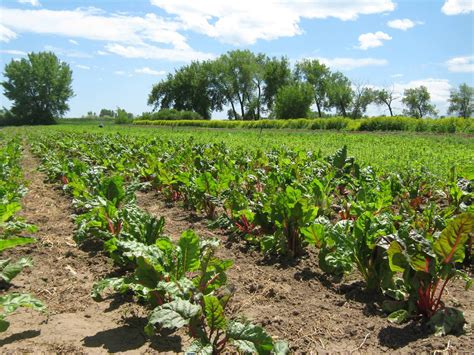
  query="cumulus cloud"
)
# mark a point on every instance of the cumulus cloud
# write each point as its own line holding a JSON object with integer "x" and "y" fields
{"x": 76, "y": 43}
{"x": 372, "y": 40}
{"x": 456, "y": 7}
{"x": 352, "y": 63}
{"x": 31, "y": 2}
{"x": 246, "y": 21}
{"x": 461, "y": 64}
{"x": 6, "y": 35}
{"x": 149, "y": 71}
{"x": 152, "y": 52}
{"x": 89, "y": 23}
{"x": 403, "y": 24}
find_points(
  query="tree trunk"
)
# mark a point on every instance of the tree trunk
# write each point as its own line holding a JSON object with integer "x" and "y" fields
{"x": 390, "y": 109}
{"x": 318, "y": 106}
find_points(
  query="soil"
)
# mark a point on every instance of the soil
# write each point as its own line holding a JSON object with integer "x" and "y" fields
{"x": 62, "y": 278}
{"x": 295, "y": 301}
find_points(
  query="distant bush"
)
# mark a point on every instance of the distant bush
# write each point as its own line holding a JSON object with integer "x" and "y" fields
{"x": 293, "y": 101}
{"x": 170, "y": 115}
{"x": 123, "y": 117}
{"x": 442, "y": 125}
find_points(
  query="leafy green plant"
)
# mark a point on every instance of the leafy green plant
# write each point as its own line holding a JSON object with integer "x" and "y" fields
{"x": 428, "y": 264}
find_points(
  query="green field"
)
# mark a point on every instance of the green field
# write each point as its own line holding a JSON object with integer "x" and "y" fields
{"x": 387, "y": 152}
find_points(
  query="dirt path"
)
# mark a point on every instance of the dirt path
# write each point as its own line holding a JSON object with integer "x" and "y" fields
{"x": 298, "y": 303}
{"x": 62, "y": 278}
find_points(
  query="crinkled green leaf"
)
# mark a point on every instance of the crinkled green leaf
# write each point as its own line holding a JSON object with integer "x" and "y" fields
{"x": 249, "y": 335}
{"x": 174, "y": 314}
{"x": 200, "y": 348}
{"x": 8, "y": 269}
{"x": 189, "y": 252}
{"x": 117, "y": 284}
{"x": 447, "y": 321}
{"x": 399, "y": 316}
{"x": 12, "y": 301}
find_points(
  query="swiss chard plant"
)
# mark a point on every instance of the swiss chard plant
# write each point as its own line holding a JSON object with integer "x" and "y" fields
{"x": 428, "y": 264}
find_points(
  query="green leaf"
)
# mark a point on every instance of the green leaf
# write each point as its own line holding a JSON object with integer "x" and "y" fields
{"x": 447, "y": 321}
{"x": 117, "y": 284}
{"x": 8, "y": 210}
{"x": 313, "y": 234}
{"x": 173, "y": 315}
{"x": 198, "y": 347}
{"x": 147, "y": 273}
{"x": 396, "y": 257}
{"x": 13, "y": 242}
{"x": 214, "y": 313}
{"x": 399, "y": 316}
{"x": 451, "y": 243}
{"x": 8, "y": 269}
{"x": 246, "y": 336}
{"x": 11, "y": 302}
{"x": 281, "y": 347}
{"x": 3, "y": 324}
{"x": 189, "y": 252}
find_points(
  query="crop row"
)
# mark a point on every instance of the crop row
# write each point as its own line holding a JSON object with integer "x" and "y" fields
{"x": 182, "y": 283}
{"x": 12, "y": 230}
{"x": 406, "y": 234}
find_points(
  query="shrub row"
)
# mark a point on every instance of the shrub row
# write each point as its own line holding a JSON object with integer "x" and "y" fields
{"x": 171, "y": 115}
{"x": 442, "y": 125}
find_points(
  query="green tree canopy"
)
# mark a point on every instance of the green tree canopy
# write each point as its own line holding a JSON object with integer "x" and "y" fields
{"x": 317, "y": 75}
{"x": 340, "y": 93}
{"x": 417, "y": 102}
{"x": 385, "y": 97}
{"x": 294, "y": 101}
{"x": 461, "y": 101}
{"x": 39, "y": 87}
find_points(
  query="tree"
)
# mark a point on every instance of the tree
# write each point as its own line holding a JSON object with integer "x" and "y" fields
{"x": 340, "y": 93}
{"x": 417, "y": 101}
{"x": 277, "y": 73}
{"x": 385, "y": 97}
{"x": 294, "y": 101}
{"x": 362, "y": 96}
{"x": 316, "y": 74}
{"x": 39, "y": 87}
{"x": 107, "y": 113}
{"x": 461, "y": 101}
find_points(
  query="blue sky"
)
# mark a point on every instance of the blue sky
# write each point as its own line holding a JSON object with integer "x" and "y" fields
{"x": 119, "y": 49}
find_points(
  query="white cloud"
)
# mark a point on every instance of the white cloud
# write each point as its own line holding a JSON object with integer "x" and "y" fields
{"x": 67, "y": 53}
{"x": 461, "y": 64}
{"x": 352, "y": 63}
{"x": 152, "y": 52}
{"x": 396, "y": 75}
{"x": 93, "y": 24}
{"x": 403, "y": 24}
{"x": 372, "y": 40}
{"x": 31, "y": 2}
{"x": 81, "y": 66}
{"x": 13, "y": 52}
{"x": 456, "y": 7}
{"x": 6, "y": 35}
{"x": 74, "y": 42}
{"x": 246, "y": 21}
{"x": 149, "y": 71}
{"x": 99, "y": 52}
{"x": 120, "y": 72}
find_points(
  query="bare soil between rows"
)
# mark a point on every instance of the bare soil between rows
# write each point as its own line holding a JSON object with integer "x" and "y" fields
{"x": 295, "y": 301}
{"x": 292, "y": 300}
{"x": 62, "y": 277}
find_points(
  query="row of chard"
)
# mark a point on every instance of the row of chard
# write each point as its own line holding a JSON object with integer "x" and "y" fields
{"x": 407, "y": 234}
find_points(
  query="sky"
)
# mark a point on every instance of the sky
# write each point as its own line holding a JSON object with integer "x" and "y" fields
{"x": 118, "y": 49}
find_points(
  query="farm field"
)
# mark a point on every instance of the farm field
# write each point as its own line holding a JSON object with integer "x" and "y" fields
{"x": 240, "y": 239}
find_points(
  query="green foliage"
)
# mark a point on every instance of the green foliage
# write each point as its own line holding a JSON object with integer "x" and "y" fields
{"x": 123, "y": 117}
{"x": 293, "y": 101}
{"x": 461, "y": 101}
{"x": 39, "y": 87}
{"x": 171, "y": 115}
{"x": 9, "y": 303}
{"x": 417, "y": 101}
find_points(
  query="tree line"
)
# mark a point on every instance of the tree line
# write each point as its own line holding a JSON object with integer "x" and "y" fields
{"x": 254, "y": 85}
{"x": 251, "y": 85}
